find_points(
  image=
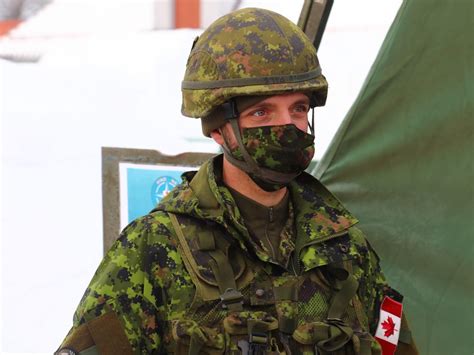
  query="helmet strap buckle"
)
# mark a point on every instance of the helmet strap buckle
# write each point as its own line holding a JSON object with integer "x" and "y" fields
{"x": 230, "y": 110}
{"x": 313, "y": 101}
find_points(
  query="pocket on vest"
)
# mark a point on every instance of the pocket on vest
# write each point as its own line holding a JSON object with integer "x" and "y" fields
{"x": 188, "y": 333}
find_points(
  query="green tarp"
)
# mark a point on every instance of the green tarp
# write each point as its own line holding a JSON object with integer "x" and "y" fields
{"x": 402, "y": 163}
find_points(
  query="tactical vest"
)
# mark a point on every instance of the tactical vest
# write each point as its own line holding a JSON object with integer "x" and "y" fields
{"x": 242, "y": 307}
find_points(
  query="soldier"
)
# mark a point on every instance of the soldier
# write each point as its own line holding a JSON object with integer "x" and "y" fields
{"x": 249, "y": 255}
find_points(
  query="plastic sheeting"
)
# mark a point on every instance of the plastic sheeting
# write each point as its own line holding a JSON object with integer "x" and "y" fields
{"x": 402, "y": 163}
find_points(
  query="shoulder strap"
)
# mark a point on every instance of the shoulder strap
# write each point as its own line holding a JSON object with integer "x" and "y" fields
{"x": 345, "y": 288}
{"x": 219, "y": 262}
{"x": 231, "y": 298}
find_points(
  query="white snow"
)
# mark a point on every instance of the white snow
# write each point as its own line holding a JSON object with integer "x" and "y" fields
{"x": 117, "y": 90}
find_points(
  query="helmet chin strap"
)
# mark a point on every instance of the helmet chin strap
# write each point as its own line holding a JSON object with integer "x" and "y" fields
{"x": 249, "y": 165}
{"x": 312, "y": 103}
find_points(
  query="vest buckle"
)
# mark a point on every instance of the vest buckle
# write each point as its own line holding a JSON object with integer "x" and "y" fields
{"x": 232, "y": 299}
{"x": 256, "y": 345}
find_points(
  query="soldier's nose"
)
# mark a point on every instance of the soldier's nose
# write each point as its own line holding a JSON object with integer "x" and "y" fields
{"x": 283, "y": 117}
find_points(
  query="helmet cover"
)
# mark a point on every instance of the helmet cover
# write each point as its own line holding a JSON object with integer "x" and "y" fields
{"x": 249, "y": 52}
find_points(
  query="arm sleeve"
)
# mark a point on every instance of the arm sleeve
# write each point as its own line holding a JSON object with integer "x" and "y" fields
{"x": 129, "y": 285}
{"x": 374, "y": 292}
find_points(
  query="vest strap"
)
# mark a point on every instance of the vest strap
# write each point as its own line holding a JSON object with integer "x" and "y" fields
{"x": 231, "y": 297}
{"x": 195, "y": 344}
{"x": 285, "y": 293}
{"x": 365, "y": 346}
{"x": 205, "y": 243}
{"x": 341, "y": 299}
{"x": 232, "y": 300}
{"x": 258, "y": 342}
{"x": 286, "y": 296}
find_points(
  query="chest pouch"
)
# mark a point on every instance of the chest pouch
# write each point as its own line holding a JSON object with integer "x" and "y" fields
{"x": 192, "y": 338}
{"x": 333, "y": 335}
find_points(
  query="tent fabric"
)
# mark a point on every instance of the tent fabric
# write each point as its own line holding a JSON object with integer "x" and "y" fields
{"x": 402, "y": 162}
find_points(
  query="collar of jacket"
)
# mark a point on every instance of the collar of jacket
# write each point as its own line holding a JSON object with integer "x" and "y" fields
{"x": 319, "y": 216}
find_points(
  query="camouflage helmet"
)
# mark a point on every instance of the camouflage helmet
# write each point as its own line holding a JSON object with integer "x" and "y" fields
{"x": 249, "y": 52}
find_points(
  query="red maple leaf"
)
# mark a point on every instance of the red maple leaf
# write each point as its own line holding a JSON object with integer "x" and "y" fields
{"x": 388, "y": 326}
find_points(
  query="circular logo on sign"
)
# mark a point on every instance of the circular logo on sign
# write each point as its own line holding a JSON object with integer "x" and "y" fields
{"x": 161, "y": 187}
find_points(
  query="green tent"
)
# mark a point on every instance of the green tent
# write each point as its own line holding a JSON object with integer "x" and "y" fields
{"x": 402, "y": 163}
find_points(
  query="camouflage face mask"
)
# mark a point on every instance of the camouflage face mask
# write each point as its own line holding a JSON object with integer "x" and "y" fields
{"x": 278, "y": 154}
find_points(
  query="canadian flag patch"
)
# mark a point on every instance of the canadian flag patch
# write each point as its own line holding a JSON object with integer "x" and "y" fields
{"x": 388, "y": 329}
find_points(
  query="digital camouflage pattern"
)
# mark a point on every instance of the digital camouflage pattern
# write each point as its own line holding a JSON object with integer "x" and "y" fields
{"x": 165, "y": 303}
{"x": 249, "y": 52}
{"x": 282, "y": 148}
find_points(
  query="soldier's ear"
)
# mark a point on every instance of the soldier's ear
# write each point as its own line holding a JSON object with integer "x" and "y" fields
{"x": 217, "y": 136}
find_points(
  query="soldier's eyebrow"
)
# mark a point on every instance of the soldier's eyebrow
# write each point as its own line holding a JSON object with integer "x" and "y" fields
{"x": 258, "y": 106}
{"x": 268, "y": 104}
{"x": 262, "y": 104}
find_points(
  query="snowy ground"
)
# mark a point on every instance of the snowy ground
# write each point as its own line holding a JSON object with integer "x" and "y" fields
{"x": 111, "y": 91}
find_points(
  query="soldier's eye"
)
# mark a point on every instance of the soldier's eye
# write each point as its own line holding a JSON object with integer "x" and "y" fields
{"x": 301, "y": 108}
{"x": 258, "y": 113}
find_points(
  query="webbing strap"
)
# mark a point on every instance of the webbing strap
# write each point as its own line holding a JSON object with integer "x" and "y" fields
{"x": 205, "y": 242}
{"x": 255, "y": 326}
{"x": 248, "y": 159}
{"x": 285, "y": 293}
{"x": 258, "y": 342}
{"x": 287, "y": 325}
{"x": 339, "y": 332}
{"x": 225, "y": 278}
{"x": 342, "y": 297}
{"x": 222, "y": 270}
{"x": 195, "y": 344}
{"x": 231, "y": 298}
{"x": 337, "y": 335}
{"x": 362, "y": 344}
{"x": 365, "y": 346}
{"x": 286, "y": 296}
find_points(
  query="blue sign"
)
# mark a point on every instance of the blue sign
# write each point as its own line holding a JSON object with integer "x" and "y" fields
{"x": 143, "y": 186}
{"x": 161, "y": 187}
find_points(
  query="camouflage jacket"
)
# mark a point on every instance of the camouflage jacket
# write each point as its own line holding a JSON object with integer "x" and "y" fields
{"x": 159, "y": 282}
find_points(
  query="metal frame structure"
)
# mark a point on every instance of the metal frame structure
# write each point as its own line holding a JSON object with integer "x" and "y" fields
{"x": 111, "y": 158}
{"x": 313, "y": 19}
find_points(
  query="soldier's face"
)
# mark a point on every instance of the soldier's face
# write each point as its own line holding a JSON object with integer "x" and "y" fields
{"x": 276, "y": 110}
